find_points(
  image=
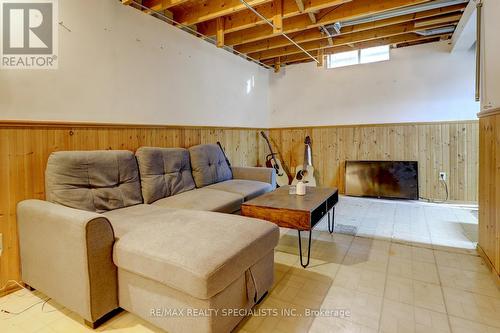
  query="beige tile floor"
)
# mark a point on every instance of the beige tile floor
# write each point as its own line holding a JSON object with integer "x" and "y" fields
{"x": 391, "y": 266}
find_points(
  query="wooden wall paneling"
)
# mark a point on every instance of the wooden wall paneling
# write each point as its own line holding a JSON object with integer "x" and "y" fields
{"x": 24, "y": 150}
{"x": 489, "y": 190}
{"x": 487, "y": 187}
{"x": 455, "y": 159}
{"x": 490, "y": 180}
{"x": 447, "y": 146}
{"x": 6, "y": 265}
{"x": 472, "y": 167}
{"x": 493, "y": 180}
{"x": 447, "y": 163}
{"x": 262, "y": 148}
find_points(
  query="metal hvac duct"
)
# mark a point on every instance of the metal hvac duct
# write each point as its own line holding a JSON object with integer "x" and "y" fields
{"x": 333, "y": 28}
{"x": 436, "y": 31}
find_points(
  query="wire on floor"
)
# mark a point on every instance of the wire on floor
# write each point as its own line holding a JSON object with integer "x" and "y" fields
{"x": 10, "y": 282}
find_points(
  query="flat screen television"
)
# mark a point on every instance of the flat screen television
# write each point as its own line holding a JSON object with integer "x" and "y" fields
{"x": 382, "y": 179}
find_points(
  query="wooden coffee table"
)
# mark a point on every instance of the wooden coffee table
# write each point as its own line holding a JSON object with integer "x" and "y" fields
{"x": 292, "y": 211}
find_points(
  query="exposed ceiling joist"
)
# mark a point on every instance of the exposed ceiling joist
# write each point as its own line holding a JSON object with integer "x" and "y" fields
{"x": 353, "y": 38}
{"x": 274, "y": 33}
{"x": 393, "y": 40}
{"x": 314, "y": 33}
{"x": 350, "y": 10}
{"x": 161, "y": 5}
{"x": 321, "y": 57}
{"x": 210, "y": 10}
{"x": 244, "y": 20}
{"x": 278, "y": 16}
{"x": 300, "y": 5}
{"x": 312, "y": 17}
{"x": 220, "y": 32}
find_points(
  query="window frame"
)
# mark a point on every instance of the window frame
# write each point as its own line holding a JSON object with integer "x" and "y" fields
{"x": 329, "y": 60}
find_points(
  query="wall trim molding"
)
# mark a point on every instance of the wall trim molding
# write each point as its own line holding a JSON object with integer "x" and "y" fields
{"x": 487, "y": 113}
{"x": 75, "y": 124}
{"x": 379, "y": 124}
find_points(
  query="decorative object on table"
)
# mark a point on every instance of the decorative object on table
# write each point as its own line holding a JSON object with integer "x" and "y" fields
{"x": 272, "y": 161}
{"x": 292, "y": 189}
{"x": 305, "y": 172}
{"x": 301, "y": 188}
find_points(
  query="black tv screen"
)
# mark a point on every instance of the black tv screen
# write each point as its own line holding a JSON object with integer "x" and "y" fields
{"x": 382, "y": 179}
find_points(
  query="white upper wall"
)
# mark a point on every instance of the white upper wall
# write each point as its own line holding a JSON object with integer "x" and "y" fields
{"x": 419, "y": 84}
{"x": 119, "y": 65}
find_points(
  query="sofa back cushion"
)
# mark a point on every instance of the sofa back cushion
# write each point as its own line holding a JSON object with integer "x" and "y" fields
{"x": 164, "y": 172}
{"x": 95, "y": 181}
{"x": 209, "y": 165}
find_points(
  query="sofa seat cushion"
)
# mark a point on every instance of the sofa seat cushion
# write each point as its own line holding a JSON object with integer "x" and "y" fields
{"x": 127, "y": 219}
{"x": 204, "y": 199}
{"x": 249, "y": 189}
{"x": 199, "y": 253}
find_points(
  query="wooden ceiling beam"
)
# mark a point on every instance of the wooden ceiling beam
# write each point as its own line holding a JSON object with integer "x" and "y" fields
{"x": 278, "y": 16}
{"x": 321, "y": 57}
{"x": 313, "y": 34}
{"x": 440, "y": 19}
{"x": 300, "y": 5}
{"x": 312, "y": 17}
{"x": 244, "y": 20}
{"x": 347, "y": 11}
{"x": 277, "y": 65}
{"x": 220, "y": 32}
{"x": 210, "y": 10}
{"x": 353, "y": 38}
{"x": 161, "y": 5}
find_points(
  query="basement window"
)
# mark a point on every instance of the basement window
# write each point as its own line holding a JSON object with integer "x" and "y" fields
{"x": 363, "y": 56}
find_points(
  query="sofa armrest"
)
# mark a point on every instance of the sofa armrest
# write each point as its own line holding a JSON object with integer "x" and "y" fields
{"x": 266, "y": 175}
{"x": 66, "y": 253}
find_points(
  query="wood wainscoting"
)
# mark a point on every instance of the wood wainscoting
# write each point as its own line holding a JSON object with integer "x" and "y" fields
{"x": 451, "y": 147}
{"x": 25, "y": 147}
{"x": 489, "y": 189}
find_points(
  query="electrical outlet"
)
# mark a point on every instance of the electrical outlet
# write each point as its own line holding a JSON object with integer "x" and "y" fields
{"x": 442, "y": 176}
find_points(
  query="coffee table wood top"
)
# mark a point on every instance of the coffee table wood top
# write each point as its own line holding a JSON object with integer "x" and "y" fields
{"x": 299, "y": 212}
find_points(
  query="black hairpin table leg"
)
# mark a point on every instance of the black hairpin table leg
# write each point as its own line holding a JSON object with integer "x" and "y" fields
{"x": 331, "y": 221}
{"x": 308, "y": 250}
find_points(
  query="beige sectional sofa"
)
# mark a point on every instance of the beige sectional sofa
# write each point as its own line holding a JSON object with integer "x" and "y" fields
{"x": 148, "y": 233}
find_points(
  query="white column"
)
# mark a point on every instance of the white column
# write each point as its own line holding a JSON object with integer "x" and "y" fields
{"x": 490, "y": 73}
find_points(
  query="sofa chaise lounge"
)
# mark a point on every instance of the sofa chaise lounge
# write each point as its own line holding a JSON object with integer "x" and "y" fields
{"x": 149, "y": 234}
